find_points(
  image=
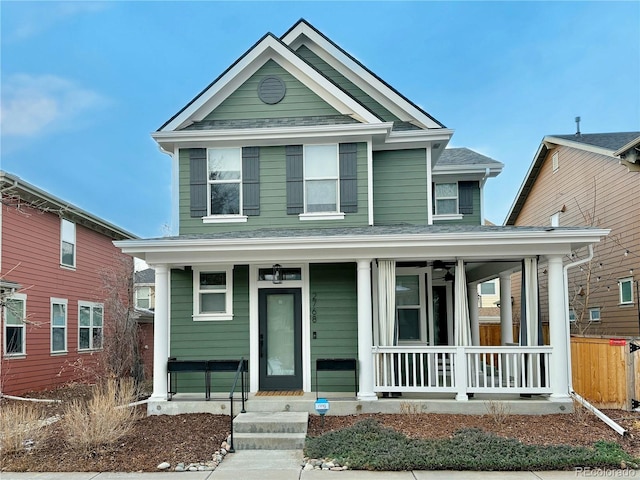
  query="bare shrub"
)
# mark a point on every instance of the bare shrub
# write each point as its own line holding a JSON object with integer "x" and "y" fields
{"x": 498, "y": 411}
{"x": 20, "y": 424}
{"x": 103, "y": 419}
{"x": 408, "y": 408}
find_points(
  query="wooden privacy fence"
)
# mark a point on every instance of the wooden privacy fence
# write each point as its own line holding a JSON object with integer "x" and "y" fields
{"x": 605, "y": 371}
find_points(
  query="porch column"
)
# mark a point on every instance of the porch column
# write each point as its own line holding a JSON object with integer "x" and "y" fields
{"x": 474, "y": 312}
{"x": 161, "y": 333}
{"x": 558, "y": 330}
{"x": 365, "y": 335}
{"x": 506, "y": 314}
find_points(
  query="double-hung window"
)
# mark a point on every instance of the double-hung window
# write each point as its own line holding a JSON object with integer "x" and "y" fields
{"x": 409, "y": 309}
{"x": 321, "y": 178}
{"x": 68, "y": 243}
{"x": 143, "y": 297}
{"x": 90, "y": 325}
{"x": 446, "y": 198}
{"x": 58, "y": 325}
{"x": 213, "y": 293}
{"x": 15, "y": 312}
{"x": 224, "y": 168}
{"x": 626, "y": 290}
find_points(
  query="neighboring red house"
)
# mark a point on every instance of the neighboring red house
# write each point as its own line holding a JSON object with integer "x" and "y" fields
{"x": 55, "y": 306}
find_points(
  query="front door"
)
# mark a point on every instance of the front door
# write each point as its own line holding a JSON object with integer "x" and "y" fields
{"x": 280, "y": 337}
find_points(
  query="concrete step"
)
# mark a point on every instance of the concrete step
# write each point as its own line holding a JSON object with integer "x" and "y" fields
{"x": 270, "y": 430}
{"x": 269, "y": 441}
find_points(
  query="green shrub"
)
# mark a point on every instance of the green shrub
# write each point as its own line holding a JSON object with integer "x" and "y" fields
{"x": 369, "y": 446}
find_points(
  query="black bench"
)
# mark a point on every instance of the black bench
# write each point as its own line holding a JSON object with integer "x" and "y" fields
{"x": 175, "y": 366}
{"x": 337, "y": 365}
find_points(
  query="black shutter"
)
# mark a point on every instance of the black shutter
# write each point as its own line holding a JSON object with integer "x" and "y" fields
{"x": 251, "y": 180}
{"x": 198, "y": 182}
{"x": 465, "y": 197}
{"x": 348, "y": 157}
{"x": 295, "y": 184}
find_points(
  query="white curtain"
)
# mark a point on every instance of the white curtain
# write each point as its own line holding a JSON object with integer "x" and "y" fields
{"x": 386, "y": 302}
{"x": 462, "y": 328}
{"x": 530, "y": 317}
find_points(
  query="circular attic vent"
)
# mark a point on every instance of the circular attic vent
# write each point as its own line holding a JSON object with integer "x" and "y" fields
{"x": 271, "y": 90}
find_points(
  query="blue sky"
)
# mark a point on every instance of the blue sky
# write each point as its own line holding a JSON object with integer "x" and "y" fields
{"x": 84, "y": 84}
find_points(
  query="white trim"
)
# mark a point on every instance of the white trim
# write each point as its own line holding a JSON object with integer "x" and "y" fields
{"x": 228, "y": 292}
{"x": 361, "y": 77}
{"x": 429, "y": 161}
{"x": 175, "y": 190}
{"x": 225, "y": 218}
{"x": 74, "y": 243}
{"x": 472, "y": 244}
{"x": 92, "y": 306}
{"x": 422, "y": 307}
{"x": 306, "y": 178}
{"x": 23, "y": 353}
{"x": 59, "y": 301}
{"x": 267, "y": 49}
{"x": 321, "y": 216}
{"x": 370, "y": 212}
{"x": 254, "y": 321}
{"x": 449, "y": 216}
{"x": 620, "y": 282}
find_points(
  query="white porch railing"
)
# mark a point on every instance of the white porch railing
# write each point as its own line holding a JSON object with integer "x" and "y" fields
{"x": 462, "y": 370}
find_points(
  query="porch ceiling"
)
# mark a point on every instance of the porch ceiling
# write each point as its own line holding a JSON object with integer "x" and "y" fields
{"x": 405, "y": 242}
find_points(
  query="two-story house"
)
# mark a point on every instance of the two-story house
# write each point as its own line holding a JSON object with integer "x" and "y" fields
{"x": 56, "y": 315}
{"x": 583, "y": 180}
{"x": 321, "y": 216}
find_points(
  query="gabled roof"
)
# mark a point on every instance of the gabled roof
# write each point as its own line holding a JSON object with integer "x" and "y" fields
{"x": 269, "y": 47}
{"x": 601, "y": 143}
{"x": 14, "y": 185}
{"x": 148, "y": 275}
{"x": 303, "y": 33}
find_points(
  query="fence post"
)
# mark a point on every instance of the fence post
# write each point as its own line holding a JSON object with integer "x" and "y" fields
{"x": 460, "y": 361}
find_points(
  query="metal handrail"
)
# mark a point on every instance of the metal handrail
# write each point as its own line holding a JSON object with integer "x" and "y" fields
{"x": 240, "y": 372}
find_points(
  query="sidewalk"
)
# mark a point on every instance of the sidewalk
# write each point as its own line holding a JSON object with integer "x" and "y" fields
{"x": 285, "y": 465}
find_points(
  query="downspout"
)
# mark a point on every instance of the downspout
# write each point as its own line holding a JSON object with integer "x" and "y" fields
{"x": 615, "y": 426}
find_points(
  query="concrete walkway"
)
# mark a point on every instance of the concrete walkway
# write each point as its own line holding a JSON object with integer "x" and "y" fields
{"x": 285, "y": 465}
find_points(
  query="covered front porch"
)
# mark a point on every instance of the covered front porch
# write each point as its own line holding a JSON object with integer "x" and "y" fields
{"x": 428, "y": 350}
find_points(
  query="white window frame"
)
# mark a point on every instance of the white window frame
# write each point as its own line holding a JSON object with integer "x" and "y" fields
{"x": 64, "y": 239}
{"x": 555, "y": 162}
{"x": 444, "y": 216}
{"x": 627, "y": 280}
{"x": 20, "y": 297}
{"x": 572, "y": 315}
{"x": 137, "y": 296}
{"x": 554, "y": 220}
{"x": 221, "y": 217}
{"x": 593, "y": 310}
{"x": 228, "y": 291}
{"x": 400, "y": 272}
{"x": 329, "y": 214}
{"x": 92, "y": 306}
{"x": 64, "y": 302}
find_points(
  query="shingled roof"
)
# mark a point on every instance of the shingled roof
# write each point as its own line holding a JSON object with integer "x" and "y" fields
{"x": 610, "y": 141}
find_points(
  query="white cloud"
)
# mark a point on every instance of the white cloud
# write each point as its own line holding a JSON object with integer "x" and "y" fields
{"x": 34, "y": 104}
{"x": 24, "y": 21}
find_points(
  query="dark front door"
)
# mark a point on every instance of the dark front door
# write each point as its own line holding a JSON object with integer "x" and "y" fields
{"x": 280, "y": 318}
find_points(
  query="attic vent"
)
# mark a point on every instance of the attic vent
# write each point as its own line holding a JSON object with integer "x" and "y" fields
{"x": 271, "y": 90}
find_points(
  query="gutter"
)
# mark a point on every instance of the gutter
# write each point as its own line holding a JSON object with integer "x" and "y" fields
{"x": 611, "y": 423}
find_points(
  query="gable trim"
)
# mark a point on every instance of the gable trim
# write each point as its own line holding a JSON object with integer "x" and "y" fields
{"x": 269, "y": 47}
{"x": 359, "y": 74}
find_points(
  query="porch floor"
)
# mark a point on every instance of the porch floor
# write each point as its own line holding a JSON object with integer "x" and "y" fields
{"x": 345, "y": 404}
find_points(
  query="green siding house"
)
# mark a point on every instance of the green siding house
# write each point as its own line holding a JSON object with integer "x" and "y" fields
{"x": 319, "y": 215}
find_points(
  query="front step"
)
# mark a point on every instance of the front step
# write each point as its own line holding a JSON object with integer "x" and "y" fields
{"x": 270, "y": 430}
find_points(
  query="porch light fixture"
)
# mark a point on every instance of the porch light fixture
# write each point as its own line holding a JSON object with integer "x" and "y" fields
{"x": 438, "y": 266}
{"x": 277, "y": 274}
